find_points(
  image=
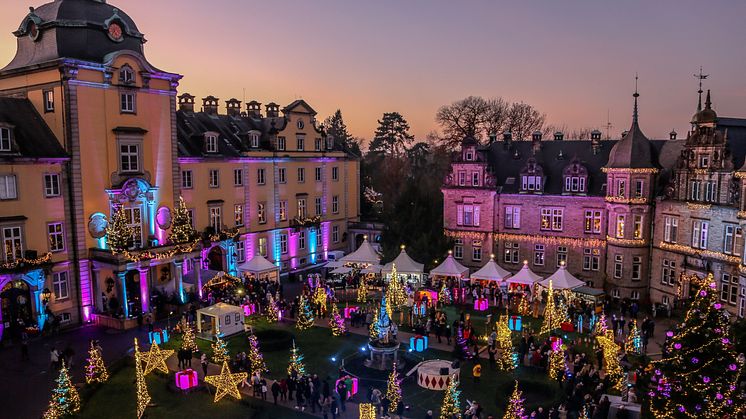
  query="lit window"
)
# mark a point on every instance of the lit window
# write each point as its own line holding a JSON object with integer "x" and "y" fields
{"x": 593, "y": 221}
{"x": 56, "y": 237}
{"x": 13, "y": 243}
{"x": 620, "y": 226}
{"x": 261, "y": 215}
{"x": 637, "y": 226}
{"x": 511, "y": 252}
{"x": 263, "y": 246}
{"x": 283, "y": 210}
{"x": 539, "y": 255}
{"x": 238, "y": 214}
{"x": 216, "y": 219}
{"x": 302, "y": 208}
{"x": 561, "y": 256}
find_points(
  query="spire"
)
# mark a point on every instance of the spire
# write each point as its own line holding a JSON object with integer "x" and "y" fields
{"x": 636, "y": 95}
{"x": 708, "y": 102}
{"x": 700, "y": 77}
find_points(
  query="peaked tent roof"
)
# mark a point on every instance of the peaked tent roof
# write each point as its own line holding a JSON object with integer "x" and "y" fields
{"x": 220, "y": 309}
{"x": 404, "y": 264}
{"x": 365, "y": 254}
{"x": 525, "y": 276}
{"x": 258, "y": 264}
{"x": 562, "y": 280}
{"x": 450, "y": 267}
{"x": 491, "y": 272}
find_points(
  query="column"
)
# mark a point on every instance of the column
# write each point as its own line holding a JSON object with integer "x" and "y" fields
{"x": 36, "y": 281}
{"x": 198, "y": 268}
{"x": 39, "y": 307}
{"x": 125, "y": 304}
{"x": 144, "y": 288}
{"x": 179, "y": 279}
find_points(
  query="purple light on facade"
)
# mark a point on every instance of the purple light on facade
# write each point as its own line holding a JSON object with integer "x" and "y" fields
{"x": 144, "y": 291}
{"x": 87, "y": 314}
{"x": 293, "y": 247}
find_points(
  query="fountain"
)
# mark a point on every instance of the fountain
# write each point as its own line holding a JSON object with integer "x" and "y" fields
{"x": 383, "y": 347}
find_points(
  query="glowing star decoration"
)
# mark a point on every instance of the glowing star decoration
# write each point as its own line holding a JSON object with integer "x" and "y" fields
{"x": 143, "y": 397}
{"x": 367, "y": 411}
{"x": 305, "y": 314}
{"x": 337, "y": 322}
{"x": 95, "y": 370}
{"x": 155, "y": 359}
{"x": 393, "y": 390}
{"x": 451, "y": 405}
{"x": 515, "y": 409}
{"x": 226, "y": 383}
{"x": 633, "y": 344}
{"x": 296, "y": 367}
{"x": 65, "y": 399}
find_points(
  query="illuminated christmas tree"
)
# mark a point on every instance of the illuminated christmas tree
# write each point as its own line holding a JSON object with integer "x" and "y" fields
{"x": 551, "y": 322}
{"x": 611, "y": 362}
{"x": 118, "y": 232}
{"x": 319, "y": 298}
{"x": 255, "y": 356}
{"x": 698, "y": 376}
{"x": 561, "y": 314}
{"x": 557, "y": 361}
{"x": 395, "y": 290}
{"x": 601, "y": 327}
{"x": 141, "y": 387}
{"x": 219, "y": 349}
{"x": 633, "y": 344}
{"x": 383, "y": 322}
{"x": 451, "y": 405}
{"x": 523, "y": 307}
{"x": 515, "y": 409}
{"x": 393, "y": 389}
{"x": 272, "y": 310}
{"x": 188, "y": 339}
{"x": 181, "y": 225}
{"x": 95, "y": 370}
{"x": 367, "y": 411}
{"x": 362, "y": 291}
{"x": 296, "y": 362}
{"x": 337, "y": 322}
{"x": 305, "y": 314}
{"x": 462, "y": 344}
{"x": 444, "y": 296}
{"x": 65, "y": 399}
{"x": 504, "y": 342}
{"x": 373, "y": 328}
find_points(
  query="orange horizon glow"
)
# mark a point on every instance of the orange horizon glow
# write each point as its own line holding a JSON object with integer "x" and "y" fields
{"x": 573, "y": 60}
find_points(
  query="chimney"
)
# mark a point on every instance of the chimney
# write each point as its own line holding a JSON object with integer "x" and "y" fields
{"x": 672, "y": 135}
{"x": 492, "y": 137}
{"x": 210, "y": 105}
{"x": 186, "y": 102}
{"x": 233, "y": 107}
{"x": 596, "y": 141}
{"x": 254, "y": 109}
{"x": 273, "y": 110}
{"x": 536, "y": 141}
{"x": 559, "y": 136}
{"x": 507, "y": 139}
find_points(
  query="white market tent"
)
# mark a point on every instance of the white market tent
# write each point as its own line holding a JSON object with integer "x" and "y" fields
{"x": 341, "y": 270}
{"x": 405, "y": 266}
{"x": 364, "y": 255}
{"x": 226, "y": 318}
{"x": 450, "y": 267}
{"x": 524, "y": 277}
{"x": 372, "y": 269}
{"x": 260, "y": 267}
{"x": 491, "y": 272}
{"x": 562, "y": 280}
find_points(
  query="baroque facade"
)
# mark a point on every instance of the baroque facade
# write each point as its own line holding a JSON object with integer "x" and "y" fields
{"x": 629, "y": 216}
{"x": 88, "y": 126}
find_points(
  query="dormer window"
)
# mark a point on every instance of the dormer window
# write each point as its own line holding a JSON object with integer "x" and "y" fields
{"x": 576, "y": 177}
{"x": 300, "y": 124}
{"x": 254, "y": 140}
{"x": 5, "y": 142}
{"x": 532, "y": 177}
{"x": 575, "y": 184}
{"x": 126, "y": 75}
{"x": 211, "y": 143}
{"x": 531, "y": 183}
{"x": 469, "y": 155}
{"x": 704, "y": 161}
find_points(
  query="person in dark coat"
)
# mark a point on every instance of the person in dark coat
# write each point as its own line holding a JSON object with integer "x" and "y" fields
{"x": 275, "y": 391}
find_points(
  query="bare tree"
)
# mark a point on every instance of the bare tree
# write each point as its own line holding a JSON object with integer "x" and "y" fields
{"x": 523, "y": 120}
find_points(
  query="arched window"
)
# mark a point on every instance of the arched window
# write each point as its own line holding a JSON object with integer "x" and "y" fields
{"x": 126, "y": 75}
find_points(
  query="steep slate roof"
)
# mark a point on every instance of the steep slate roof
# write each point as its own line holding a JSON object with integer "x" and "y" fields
{"x": 30, "y": 133}
{"x": 735, "y": 129}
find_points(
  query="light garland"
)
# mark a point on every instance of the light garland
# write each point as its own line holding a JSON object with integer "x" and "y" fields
{"x": 649, "y": 170}
{"x": 188, "y": 339}
{"x": 515, "y": 409}
{"x": 362, "y": 291}
{"x": 626, "y": 242}
{"x": 155, "y": 359}
{"x": 373, "y": 328}
{"x": 550, "y": 240}
{"x": 305, "y": 314}
{"x": 739, "y": 175}
{"x": 696, "y": 206}
{"x": 296, "y": 366}
{"x": 337, "y": 322}
{"x": 623, "y": 200}
{"x": 95, "y": 371}
{"x": 451, "y": 405}
{"x": 26, "y": 263}
{"x": 319, "y": 298}
{"x": 395, "y": 295}
{"x": 551, "y": 318}
{"x": 471, "y": 235}
{"x": 226, "y": 383}
{"x": 143, "y": 397}
{"x": 633, "y": 344}
{"x": 65, "y": 399}
{"x": 219, "y": 349}
{"x": 272, "y": 310}
{"x": 741, "y": 214}
{"x": 506, "y": 361}
{"x": 611, "y": 362}
{"x": 393, "y": 390}
{"x": 225, "y": 234}
{"x": 556, "y": 360}
{"x": 688, "y": 250}
{"x": 138, "y": 256}
{"x": 367, "y": 411}
{"x": 258, "y": 366}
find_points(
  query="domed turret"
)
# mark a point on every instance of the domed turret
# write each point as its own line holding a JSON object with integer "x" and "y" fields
{"x": 706, "y": 116}
{"x": 87, "y": 30}
{"x": 634, "y": 150}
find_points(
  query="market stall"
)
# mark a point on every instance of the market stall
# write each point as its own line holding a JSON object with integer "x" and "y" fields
{"x": 226, "y": 318}
{"x": 406, "y": 268}
{"x": 491, "y": 271}
{"x": 562, "y": 279}
{"x": 259, "y": 267}
{"x": 451, "y": 269}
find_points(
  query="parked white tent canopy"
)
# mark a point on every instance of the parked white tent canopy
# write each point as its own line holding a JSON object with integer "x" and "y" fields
{"x": 450, "y": 267}
{"x": 364, "y": 255}
{"x": 562, "y": 280}
{"x": 261, "y": 268}
{"x": 491, "y": 272}
{"x": 226, "y": 318}
{"x": 341, "y": 270}
{"x": 525, "y": 276}
{"x": 405, "y": 266}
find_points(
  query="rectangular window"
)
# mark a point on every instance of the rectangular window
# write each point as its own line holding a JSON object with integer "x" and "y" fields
{"x": 561, "y": 256}
{"x": 668, "y": 273}
{"x": 636, "y": 268}
{"x": 127, "y": 103}
{"x": 458, "y": 249}
{"x": 190, "y": 211}
{"x": 694, "y": 190}
{"x": 639, "y": 185}
{"x": 531, "y": 183}
{"x": 48, "y": 100}
{"x": 283, "y": 243}
{"x": 61, "y": 285}
{"x": 618, "y": 266}
{"x": 133, "y": 215}
{"x": 551, "y": 219}
{"x": 511, "y": 252}
{"x": 240, "y": 251}
{"x": 704, "y": 161}
{"x": 129, "y": 157}
{"x": 711, "y": 191}
{"x": 512, "y": 217}
{"x": 254, "y": 140}
{"x": 620, "y": 226}
{"x": 335, "y": 204}
{"x": 539, "y": 255}
{"x": 317, "y": 144}
{"x": 13, "y": 242}
{"x": 283, "y": 210}
{"x": 211, "y": 143}
{"x": 8, "y": 187}
{"x": 317, "y": 174}
{"x": 301, "y": 142}
{"x": 319, "y": 239}
{"x": 730, "y": 231}
{"x": 216, "y": 221}
{"x": 281, "y": 143}
{"x": 468, "y": 215}
{"x": 621, "y": 187}
{"x": 301, "y": 175}
{"x": 51, "y": 185}
{"x": 260, "y": 180}
{"x": 335, "y": 173}
{"x": 699, "y": 234}
{"x": 186, "y": 179}
{"x": 557, "y": 219}
{"x": 302, "y": 212}
{"x": 592, "y": 221}
{"x": 335, "y": 234}
{"x": 263, "y": 246}
{"x": 302, "y": 240}
{"x": 634, "y": 295}
{"x": 238, "y": 214}
{"x": 5, "y": 143}
{"x": 281, "y": 177}
{"x": 237, "y": 177}
{"x": 670, "y": 229}
{"x": 591, "y": 259}
{"x": 475, "y": 179}
{"x": 729, "y": 288}
{"x": 637, "y": 219}
{"x": 214, "y": 178}
{"x": 546, "y": 219}
{"x": 56, "y": 237}
{"x": 461, "y": 178}
{"x": 476, "y": 250}
{"x": 317, "y": 206}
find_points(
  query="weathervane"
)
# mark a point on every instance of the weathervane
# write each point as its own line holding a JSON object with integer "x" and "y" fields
{"x": 700, "y": 77}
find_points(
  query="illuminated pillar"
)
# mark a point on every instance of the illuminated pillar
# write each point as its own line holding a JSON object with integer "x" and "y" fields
{"x": 144, "y": 288}
{"x": 125, "y": 304}
{"x": 179, "y": 279}
{"x": 198, "y": 268}
{"x": 39, "y": 307}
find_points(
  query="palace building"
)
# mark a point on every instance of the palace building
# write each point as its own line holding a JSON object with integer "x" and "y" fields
{"x": 88, "y": 126}
{"x": 629, "y": 216}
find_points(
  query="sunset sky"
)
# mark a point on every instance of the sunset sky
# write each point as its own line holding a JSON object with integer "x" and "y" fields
{"x": 574, "y": 60}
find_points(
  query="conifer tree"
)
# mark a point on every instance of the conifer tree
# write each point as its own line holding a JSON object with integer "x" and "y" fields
{"x": 65, "y": 399}
{"x": 255, "y": 356}
{"x": 551, "y": 320}
{"x": 305, "y": 314}
{"x": 95, "y": 370}
{"x": 393, "y": 390}
{"x": 219, "y": 349}
{"x": 505, "y": 360}
{"x": 119, "y": 233}
{"x": 633, "y": 344}
{"x": 395, "y": 294}
{"x": 188, "y": 339}
{"x": 181, "y": 225}
{"x": 515, "y": 409}
{"x": 272, "y": 311}
{"x": 296, "y": 365}
{"x": 451, "y": 404}
{"x": 337, "y": 322}
{"x": 362, "y": 291}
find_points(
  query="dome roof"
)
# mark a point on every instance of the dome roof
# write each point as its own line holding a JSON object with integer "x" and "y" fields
{"x": 87, "y": 30}
{"x": 634, "y": 150}
{"x": 706, "y": 115}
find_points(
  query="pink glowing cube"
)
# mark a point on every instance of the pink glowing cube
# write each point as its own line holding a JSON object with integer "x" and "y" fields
{"x": 249, "y": 309}
{"x": 351, "y": 383}
{"x": 349, "y": 310}
{"x": 186, "y": 379}
{"x": 481, "y": 304}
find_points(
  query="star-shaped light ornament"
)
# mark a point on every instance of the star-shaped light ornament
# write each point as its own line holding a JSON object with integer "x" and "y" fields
{"x": 155, "y": 359}
{"x": 226, "y": 383}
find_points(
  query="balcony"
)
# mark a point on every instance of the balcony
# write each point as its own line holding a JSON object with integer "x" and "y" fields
{"x": 137, "y": 255}
{"x": 30, "y": 261}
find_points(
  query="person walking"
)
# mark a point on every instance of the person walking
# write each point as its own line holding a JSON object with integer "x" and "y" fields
{"x": 275, "y": 391}
{"x": 204, "y": 363}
